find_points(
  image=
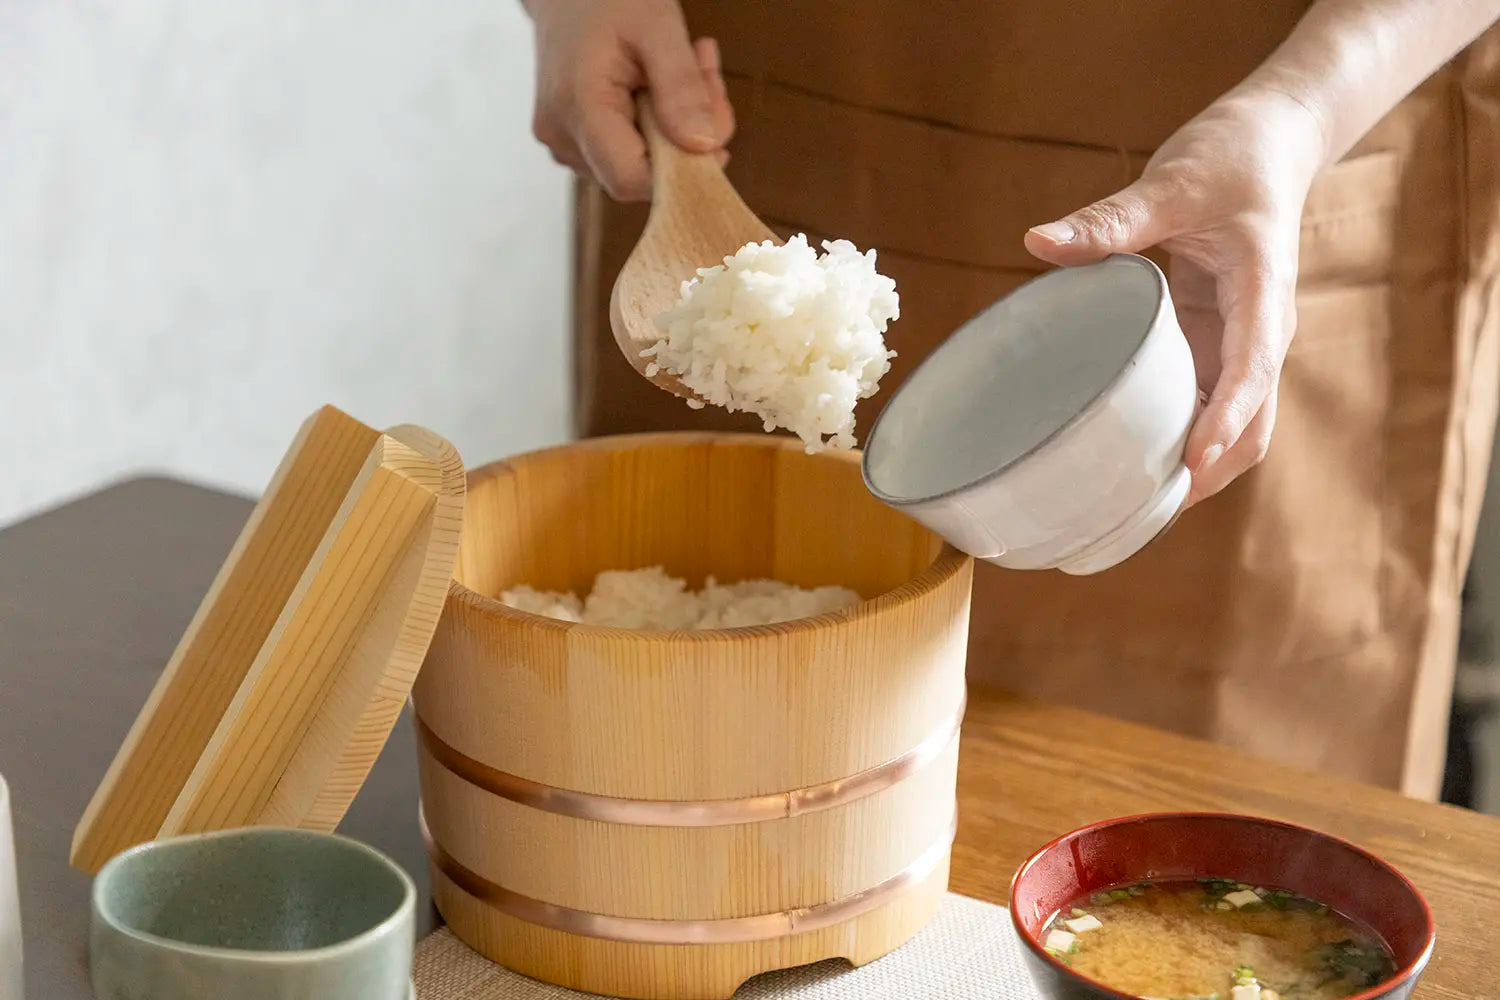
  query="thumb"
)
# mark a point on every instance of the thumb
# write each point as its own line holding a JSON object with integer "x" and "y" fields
{"x": 684, "y": 103}
{"x": 1128, "y": 221}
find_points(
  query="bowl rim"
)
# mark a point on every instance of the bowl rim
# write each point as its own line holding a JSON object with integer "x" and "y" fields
{"x": 104, "y": 917}
{"x": 1402, "y": 976}
{"x": 1163, "y": 296}
{"x": 947, "y": 564}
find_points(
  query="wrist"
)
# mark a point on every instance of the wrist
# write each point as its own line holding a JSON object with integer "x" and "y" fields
{"x": 1298, "y": 120}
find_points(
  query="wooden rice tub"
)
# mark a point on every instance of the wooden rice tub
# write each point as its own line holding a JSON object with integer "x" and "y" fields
{"x": 667, "y": 814}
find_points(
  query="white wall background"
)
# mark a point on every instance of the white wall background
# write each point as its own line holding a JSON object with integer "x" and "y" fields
{"x": 217, "y": 215}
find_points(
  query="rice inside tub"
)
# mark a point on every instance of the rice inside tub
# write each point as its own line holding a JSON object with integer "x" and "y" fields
{"x": 794, "y": 337}
{"x": 650, "y": 599}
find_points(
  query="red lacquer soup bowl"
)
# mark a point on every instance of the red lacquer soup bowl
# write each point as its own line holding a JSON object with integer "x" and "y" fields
{"x": 1257, "y": 851}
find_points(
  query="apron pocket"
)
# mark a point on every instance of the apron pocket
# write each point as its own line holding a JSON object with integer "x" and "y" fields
{"x": 1349, "y": 222}
{"x": 1314, "y": 535}
{"x": 1316, "y": 528}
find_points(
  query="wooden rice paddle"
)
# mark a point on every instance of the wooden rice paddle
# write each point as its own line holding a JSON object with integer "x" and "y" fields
{"x": 697, "y": 219}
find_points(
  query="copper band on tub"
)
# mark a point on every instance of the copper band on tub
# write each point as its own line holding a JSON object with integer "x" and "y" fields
{"x": 714, "y": 812}
{"x": 727, "y": 930}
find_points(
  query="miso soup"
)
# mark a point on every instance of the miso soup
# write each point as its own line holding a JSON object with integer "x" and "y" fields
{"x": 1216, "y": 939}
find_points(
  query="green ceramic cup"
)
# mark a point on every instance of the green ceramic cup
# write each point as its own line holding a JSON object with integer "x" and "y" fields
{"x": 252, "y": 914}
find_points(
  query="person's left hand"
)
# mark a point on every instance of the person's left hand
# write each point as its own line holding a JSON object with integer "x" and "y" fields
{"x": 1223, "y": 195}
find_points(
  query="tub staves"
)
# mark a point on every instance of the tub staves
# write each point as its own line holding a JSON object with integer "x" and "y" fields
{"x": 668, "y": 814}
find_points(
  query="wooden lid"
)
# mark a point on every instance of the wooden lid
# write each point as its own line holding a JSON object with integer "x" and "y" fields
{"x": 287, "y": 683}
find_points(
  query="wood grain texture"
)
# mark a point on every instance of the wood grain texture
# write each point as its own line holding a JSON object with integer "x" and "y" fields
{"x": 679, "y": 972}
{"x": 690, "y": 716}
{"x": 1029, "y": 772}
{"x": 281, "y": 692}
{"x": 697, "y": 219}
{"x": 350, "y": 728}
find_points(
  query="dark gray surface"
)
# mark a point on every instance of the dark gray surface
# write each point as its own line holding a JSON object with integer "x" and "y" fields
{"x": 93, "y": 597}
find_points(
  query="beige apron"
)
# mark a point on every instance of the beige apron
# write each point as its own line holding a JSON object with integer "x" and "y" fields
{"x": 1310, "y": 612}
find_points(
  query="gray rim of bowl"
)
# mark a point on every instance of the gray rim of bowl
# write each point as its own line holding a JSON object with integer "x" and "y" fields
{"x": 408, "y": 897}
{"x": 1144, "y": 263}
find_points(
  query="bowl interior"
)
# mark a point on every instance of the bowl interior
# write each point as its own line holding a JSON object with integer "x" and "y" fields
{"x": 734, "y": 507}
{"x": 1260, "y": 852}
{"x": 1012, "y": 377}
{"x": 263, "y": 891}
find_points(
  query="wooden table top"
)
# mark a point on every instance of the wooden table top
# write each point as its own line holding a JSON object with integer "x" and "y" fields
{"x": 93, "y": 597}
{"x": 1029, "y": 772}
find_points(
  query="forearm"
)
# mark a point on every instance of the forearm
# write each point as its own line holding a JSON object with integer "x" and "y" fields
{"x": 1348, "y": 62}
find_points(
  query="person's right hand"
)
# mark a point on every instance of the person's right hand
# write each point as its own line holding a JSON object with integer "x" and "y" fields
{"x": 592, "y": 55}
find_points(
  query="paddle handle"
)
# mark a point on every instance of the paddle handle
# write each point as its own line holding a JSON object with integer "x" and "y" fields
{"x": 673, "y": 168}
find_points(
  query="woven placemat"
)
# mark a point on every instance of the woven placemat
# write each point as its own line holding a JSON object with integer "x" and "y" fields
{"x": 968, "y": 952}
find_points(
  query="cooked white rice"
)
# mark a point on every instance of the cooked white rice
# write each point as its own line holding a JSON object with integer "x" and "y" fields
{"x": 650, "y": 599}
{"x": 781, "y": 332}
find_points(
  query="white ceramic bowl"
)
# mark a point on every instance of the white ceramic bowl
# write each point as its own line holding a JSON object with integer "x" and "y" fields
{"x": 1048, "y": 431}
{"x": 11, "y": 986}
